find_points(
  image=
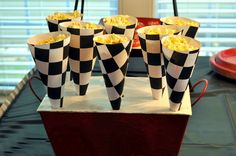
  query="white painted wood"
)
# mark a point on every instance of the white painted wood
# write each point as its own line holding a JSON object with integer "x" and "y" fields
{"x": 137, "y": 99}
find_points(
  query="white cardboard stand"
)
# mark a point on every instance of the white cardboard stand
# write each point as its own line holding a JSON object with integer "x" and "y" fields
{"x": 137, "y": 99}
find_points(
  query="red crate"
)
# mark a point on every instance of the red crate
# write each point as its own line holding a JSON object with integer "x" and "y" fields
{"x": 141, "y": 128}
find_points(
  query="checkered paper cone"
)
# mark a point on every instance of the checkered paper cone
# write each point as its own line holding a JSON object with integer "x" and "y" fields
{"x": 123, "y": 30}
{"x": 51, "y": 62}
{"x": 81, "y": 54}
{"x": 113, "y": 60}
{"x": 54, "y": 24}
{"x": 153, "y": 58}
{"x": 179, "y": 67}
{"x": 189, "y": 31}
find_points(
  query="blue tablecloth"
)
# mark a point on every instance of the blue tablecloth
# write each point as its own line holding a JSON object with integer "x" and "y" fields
{"x": 211, "y": 129}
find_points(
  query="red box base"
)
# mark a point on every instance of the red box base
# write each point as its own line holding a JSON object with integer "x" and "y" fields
{"x": 114, "y": 134}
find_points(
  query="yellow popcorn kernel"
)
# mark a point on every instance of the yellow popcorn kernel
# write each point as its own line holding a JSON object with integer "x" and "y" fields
{"x": 84, "y": 26}
{"x": 76, "y": 14}
{"x": 52, "y": 39}
{"x": 63, "y": 16}
{"x": 75, "y": 25}
{"x": 111, "y": 39}
{"x": 178, "y": 43}
{"x": 92, "y": 26}
{"x": 170, "y": 46}
{"x": 180, "y": 21}
{"x": 60, "y": 37}
{"x": 120, "y": 20}
{"x": 159, "y": 30}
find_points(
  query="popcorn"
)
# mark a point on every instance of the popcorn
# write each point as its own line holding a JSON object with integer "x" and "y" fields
{"x": 178, "y": 43}
{"x": 75, "y": 25}
{"x": 64, "y": 16}
{"x": 180, "y": 21}
{"x": 120, "y": 20}
{"x": 111, "y": 39}
{"x": 52, "y": 39}
{"x": 84, "y": 26}
{"x": 159, "y": 30}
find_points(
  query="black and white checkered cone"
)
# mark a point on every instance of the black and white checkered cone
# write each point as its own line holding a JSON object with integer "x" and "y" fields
{"x": 53, "y": 25}
{"x": 189, "y": 31}
{"x": 123, "y": 30}
{"x": 179, "y": 68}
{"x": 153, "y": 58}
{"x": 113, "y": 60}
{"x": 51, "y": 62}
{"x": 81, "y": 54}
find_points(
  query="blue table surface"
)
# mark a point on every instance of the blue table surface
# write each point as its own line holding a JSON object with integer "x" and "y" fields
{"x": 211, "y": 129}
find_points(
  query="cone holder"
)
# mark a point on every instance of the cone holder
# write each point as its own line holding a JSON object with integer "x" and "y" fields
{"x": 87, "y": 125}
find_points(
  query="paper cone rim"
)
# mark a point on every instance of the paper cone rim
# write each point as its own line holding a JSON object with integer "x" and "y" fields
{"x": 177, "y": 18}
{"x": 141, "y": 30}
{"x": 105, "y": 35}
{"x": 133, "y": 20}
{"x": 69, "y": 13}
{"x": 34, "y": 39}
{"x": 66, "y": 24}
{"x": 189, "y": 39}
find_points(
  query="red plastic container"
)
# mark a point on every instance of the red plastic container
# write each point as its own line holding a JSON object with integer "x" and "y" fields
{"x": 144, "y": 21}
{"x": 227, "y": 58}
{"x": 224, "y": 63}
{"x": 143, "y": 126}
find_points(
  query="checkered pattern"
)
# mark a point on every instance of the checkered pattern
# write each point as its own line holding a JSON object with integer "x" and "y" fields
{"x": 189, "y": 31}
{"x": 113, "y": 60}
{"x": 153, "y": 58}
{"x": 82, "y": 56}
{"x": 51, "y": 62}
{"x": 179, "y": 67}
{"x": 53, "y": 24}
{"x": 123, "y": 30}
